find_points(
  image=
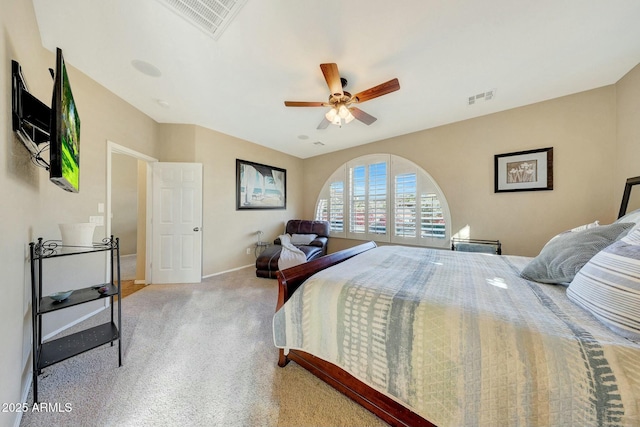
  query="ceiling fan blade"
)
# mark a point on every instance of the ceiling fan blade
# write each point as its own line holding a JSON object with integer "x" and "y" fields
{"x": 376, "y": 91}
{"x": 332, "y": 76}
{"x": 324, "y": 123}
{"x": 365, "y": 118}
{"x": 304, "y": 104}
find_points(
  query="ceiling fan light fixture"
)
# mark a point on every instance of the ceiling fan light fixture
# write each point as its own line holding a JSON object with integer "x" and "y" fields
{"x": 343, "y": 112}
{"x": 349, "y": 118}
{"x": 331, "y": 114}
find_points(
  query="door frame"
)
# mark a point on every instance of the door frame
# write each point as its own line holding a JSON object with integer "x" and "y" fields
{"x": 113, "y": 148}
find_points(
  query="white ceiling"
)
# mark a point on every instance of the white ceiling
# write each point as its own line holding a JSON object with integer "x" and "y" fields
{"x": 441, "y": 51}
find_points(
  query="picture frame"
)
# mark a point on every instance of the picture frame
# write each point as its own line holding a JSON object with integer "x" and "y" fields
{"x": 260, "y": 186}
{"x": 530, "y": 170}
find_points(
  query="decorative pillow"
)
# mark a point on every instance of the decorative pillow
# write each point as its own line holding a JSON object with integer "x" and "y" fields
{"x": 608, "y": 286}
{"x": 303, "y": 239}
{"x": 633, "y": 216}
{"x": 576, "y": 229}
{"x": 565, "y": 254}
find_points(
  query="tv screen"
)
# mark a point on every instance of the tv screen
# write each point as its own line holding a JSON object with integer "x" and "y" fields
{"x": 64, "y": 161}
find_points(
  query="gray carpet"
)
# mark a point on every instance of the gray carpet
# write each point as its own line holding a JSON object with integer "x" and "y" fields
{"x": 193, "y": 355}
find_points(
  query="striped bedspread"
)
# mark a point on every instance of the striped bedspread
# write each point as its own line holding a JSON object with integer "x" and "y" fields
{"x": 462, "y": 340}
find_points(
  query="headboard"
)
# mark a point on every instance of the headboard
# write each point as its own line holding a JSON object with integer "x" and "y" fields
{"x": 627, "y": 192}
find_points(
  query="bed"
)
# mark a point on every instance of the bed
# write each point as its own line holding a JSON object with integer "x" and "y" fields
{"x": 435, "y": 337}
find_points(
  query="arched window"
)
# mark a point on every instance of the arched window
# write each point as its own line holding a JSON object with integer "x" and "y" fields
{"x": 385, "y": 198}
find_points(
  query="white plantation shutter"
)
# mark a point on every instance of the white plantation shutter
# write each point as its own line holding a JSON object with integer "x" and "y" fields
{"x": 367, "y": 197}
{"x": 385, "y": 198}
{"x": 431, "y": 217}
{"x": 322, "y": 210}
{"x": 330, "y": 205}
{"x": 336, "y": 208}
{"x": 357, "y": 199}
{"x": 377, "y": 199}
{"x": 405, "y": 205}
{"x": 331, "y": 208}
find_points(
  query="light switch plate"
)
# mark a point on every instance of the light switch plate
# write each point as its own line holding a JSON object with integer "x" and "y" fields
{"x": 98, "y": 220}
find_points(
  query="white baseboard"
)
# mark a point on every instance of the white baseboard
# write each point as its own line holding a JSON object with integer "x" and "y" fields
{"x": 228, "y": 271}
{"x": 25, "y": 395}
{"x": 75, "y": 322}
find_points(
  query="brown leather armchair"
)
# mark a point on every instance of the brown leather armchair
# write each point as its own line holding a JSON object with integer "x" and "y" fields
{"x": 267, "y": 262}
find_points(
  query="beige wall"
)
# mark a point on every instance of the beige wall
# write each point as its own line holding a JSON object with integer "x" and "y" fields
{"x": 460, "y": 156}
{"x": 227, "y": 232}
{"x": 177, "y": 142}
{"x": 124, "y": 202}
{"x": 628, "y": 135}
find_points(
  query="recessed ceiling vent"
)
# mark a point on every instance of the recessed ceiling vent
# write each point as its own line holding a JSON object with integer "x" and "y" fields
{"x": 484, "y": 96}
{"x": 210, "y": 16}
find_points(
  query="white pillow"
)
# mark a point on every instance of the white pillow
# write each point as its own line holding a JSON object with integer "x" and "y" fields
{"x": 303, "y": 239}
{"x": 587, "y": 226}
{"x": 608, "y": 286}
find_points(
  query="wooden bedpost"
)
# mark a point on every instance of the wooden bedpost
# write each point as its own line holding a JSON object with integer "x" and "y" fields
{"x": 282, "y": 359}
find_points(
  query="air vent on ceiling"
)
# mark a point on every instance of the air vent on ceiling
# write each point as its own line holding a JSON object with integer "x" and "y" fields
{"x": 486, "y": 96}
{"x": 210, "y": 16}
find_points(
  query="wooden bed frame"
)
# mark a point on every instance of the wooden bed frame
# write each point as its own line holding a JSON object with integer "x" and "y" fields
{"x": 380, "y": 404}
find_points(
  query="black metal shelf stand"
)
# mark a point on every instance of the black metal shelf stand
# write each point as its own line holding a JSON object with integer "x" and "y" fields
{"x": 54, "y": 351}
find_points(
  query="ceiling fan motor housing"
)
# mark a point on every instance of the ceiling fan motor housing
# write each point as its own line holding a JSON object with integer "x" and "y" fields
{"x": 345, "y": 98}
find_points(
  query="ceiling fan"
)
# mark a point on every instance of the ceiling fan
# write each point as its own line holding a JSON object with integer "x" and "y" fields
{"x": 341, "y": 101}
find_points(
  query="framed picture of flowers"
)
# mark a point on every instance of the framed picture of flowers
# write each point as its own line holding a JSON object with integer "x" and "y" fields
{"x": 524, "y": 170}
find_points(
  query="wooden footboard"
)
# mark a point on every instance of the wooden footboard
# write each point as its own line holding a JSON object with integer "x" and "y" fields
{"x": 380, "y": 404}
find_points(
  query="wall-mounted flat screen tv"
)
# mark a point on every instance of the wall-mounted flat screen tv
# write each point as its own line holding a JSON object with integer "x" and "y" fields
{"x": 64, "y": 160}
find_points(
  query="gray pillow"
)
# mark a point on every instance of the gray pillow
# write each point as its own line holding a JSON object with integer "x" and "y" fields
{"x": 564, "y": 255}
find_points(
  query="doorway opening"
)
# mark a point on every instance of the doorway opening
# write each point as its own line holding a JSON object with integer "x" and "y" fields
{"x": 125, "y": 166}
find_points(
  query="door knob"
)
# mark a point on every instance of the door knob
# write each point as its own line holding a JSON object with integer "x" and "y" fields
{"x": 196, "y": 229}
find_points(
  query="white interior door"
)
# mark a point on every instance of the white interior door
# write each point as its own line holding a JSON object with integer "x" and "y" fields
{"x": 176, "y": 223}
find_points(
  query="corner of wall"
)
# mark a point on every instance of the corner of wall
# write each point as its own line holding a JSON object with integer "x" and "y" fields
{"x": 177, "y": 142}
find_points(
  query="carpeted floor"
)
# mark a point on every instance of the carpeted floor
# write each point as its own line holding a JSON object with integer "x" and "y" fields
{"x": 193, "y": 355}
